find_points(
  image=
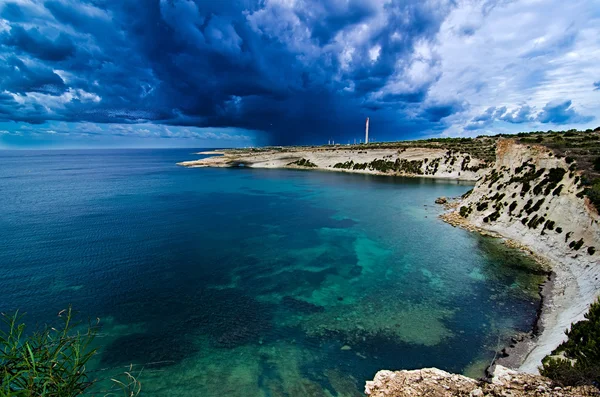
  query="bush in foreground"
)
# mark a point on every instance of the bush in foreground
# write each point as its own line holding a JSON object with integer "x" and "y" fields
{"x": 577, "y": 361}
{"x": 51, "y": 362}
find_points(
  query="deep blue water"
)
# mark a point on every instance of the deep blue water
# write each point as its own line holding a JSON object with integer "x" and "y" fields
{"x": 245, "y": 282}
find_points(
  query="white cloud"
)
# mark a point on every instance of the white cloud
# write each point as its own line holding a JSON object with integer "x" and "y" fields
{"x": 519, "y": 53}
{"x": 54, "y": 102}
{"x": 4, "y": 25}
{"x": 374, "y": 53}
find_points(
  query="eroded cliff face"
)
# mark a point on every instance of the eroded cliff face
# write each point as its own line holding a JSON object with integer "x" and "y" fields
{"x": 432, "y": 382}
{"x": 535, "y": 199}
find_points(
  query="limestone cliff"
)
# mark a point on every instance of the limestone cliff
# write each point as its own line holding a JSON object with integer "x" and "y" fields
{"x": 535, "y": 198}
{"x": 432, "y": 382}
{"x": 429, "y": 162}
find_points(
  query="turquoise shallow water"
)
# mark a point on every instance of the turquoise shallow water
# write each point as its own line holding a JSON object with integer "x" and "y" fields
{"x": 244, "y": 282}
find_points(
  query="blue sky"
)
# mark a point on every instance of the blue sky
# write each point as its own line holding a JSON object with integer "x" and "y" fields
{"x": 197, "y": 73}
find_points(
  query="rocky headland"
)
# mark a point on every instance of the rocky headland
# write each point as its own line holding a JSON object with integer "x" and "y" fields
{"x": 532, "y": 191}
{"x": 433, "y": 160}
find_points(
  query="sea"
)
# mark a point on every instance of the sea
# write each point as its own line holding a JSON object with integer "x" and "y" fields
{"x": 253, "y": 282}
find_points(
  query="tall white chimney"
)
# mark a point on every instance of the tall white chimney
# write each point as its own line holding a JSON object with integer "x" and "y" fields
{"x": 367, "y": 131}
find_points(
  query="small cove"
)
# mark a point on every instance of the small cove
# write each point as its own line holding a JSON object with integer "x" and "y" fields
{"x": 244, "y": 282}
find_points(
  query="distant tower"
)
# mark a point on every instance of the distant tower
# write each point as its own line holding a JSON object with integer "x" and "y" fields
{"x": 367, "y": 131}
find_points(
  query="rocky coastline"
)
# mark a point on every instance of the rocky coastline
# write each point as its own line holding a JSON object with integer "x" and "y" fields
{"x": 528, "y": 196}
{"x": 432, "y": 382}
{"x": 548, "y": 218}
{"x": 424, "y": 162}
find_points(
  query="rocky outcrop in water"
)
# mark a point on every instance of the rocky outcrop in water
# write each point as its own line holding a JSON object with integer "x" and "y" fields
{"x": 433, "y": 382}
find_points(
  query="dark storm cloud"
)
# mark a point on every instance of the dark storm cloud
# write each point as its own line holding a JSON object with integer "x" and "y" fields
{"x": 561, "y": 112}
{"x": 17, "y": 77}
{"x": 486, "y": 118}
{"x": 519, "y": 115}
{"x": 488, "y": 115}
{"x": 33, "y": 42}
{"x": 336, "y": 16}
{"x": 7, "y": 104}
{"x": 437, "y": 112}
{"x": 297, "y": 70}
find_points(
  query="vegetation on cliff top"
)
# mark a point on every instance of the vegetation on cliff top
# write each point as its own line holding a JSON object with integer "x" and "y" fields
{"x": 52, "y": 362}
{"x": 577, "y": 361}
{"x": 580, "y": 149}
{"x": 483, "y": 148}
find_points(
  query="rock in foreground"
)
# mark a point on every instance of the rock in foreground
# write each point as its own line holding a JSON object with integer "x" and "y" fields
{"x": 433, "y": 382}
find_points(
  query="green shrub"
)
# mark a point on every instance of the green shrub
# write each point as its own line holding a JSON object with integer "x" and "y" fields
{"x": 554, "y": 176}
{"x": 465, "y": 211}
{"x": 577, "y": 361}
{"x": 557, "y": 191}
{"x": 303, "y": 163}
{"x": 467, "y": 194}
{"x": 534, "y": 222}
{"x": 576, "y": 245}
{"x": 347, "y": 165}
{"x": 494, "y": 216}
{"x": 593, "y": 193}
{"x": 51, "y": 362}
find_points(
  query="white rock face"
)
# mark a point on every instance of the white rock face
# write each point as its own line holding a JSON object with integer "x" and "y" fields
{"x": 503, "y": 375}
{"x": 568, "y": 222}
{"x": 430, "y": 163}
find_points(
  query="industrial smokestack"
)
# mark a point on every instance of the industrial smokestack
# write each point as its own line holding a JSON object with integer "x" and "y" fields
{"x": 367, "y": 131}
